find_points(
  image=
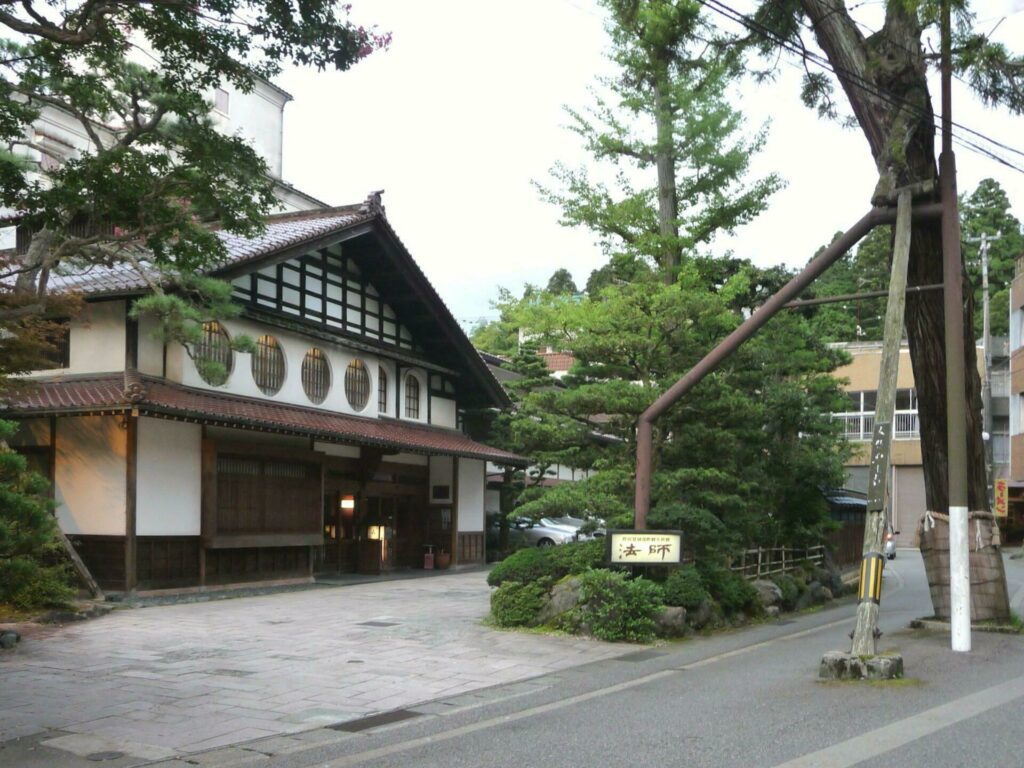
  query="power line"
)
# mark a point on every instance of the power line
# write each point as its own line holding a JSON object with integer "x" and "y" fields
{"x": 853, "y": 78}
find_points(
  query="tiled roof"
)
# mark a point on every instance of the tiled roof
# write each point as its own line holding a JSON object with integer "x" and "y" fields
{"x": 283, "y": 231}
{"x": 154, "y": 396}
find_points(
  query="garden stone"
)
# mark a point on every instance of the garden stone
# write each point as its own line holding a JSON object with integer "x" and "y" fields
{"x": 703, "y": 615}
{"x": 671, "y": 621}
{"x": 772, "y": 612}
{"x": 8, "y": 639}
{"x": 840, "y": 665}
{"x": 768, "y": 592}
{"x": 814, "y": 595}
{"x": 830, "y": 576}
{"x": 565, "y": 595}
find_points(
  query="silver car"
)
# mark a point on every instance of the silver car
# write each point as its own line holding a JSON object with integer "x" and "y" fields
{"x": 545, "y": 532}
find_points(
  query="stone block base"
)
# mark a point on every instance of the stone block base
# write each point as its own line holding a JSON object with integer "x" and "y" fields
{"x": 840, "y": 665}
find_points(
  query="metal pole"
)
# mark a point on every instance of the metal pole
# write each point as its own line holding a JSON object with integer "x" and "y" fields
{"x": 956, "y": 407}
{"x": 732, "y": 342}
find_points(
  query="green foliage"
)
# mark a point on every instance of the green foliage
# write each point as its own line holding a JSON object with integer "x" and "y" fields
{"x": 616, "y": 608}
{"x": 549, "y": 564}
{"x": 730, "y": 590}
{"x": 684, "y": 587}
{"x": 157, "y": 173}
{"x": 516, "y": 604}
{"x": 561, "y": 282}
{"x": 30, "y": 576}
{"x": 791, "y": 590}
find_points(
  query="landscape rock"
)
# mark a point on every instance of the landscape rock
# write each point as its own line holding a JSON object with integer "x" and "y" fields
{"x": 840, "y": 665}
{"x": 671, "y": 621}
{"x": 772, "y": 611}
{"x": 701, "y": 617}
{"x": 565, "y": 595}
{"x": 9, "y": 638}
{"x": 816, "y": 594}
{"x": 768, "y": 592}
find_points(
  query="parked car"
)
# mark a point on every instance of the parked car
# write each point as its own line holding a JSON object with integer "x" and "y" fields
{"x": 595, "y": 528}
{"x": 545, "y": 532}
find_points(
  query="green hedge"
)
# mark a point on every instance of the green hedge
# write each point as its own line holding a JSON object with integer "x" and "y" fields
{"x": 730, "y": 590}
{"x": 615, "y": 607}
{"x": 684, "y": 587}
{"x": 551, "y": 563}
{"x": 516, "y": 605}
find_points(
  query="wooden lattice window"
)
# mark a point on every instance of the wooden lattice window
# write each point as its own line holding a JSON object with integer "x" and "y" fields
{"x": 412, "y": 397}
{"x": 268, "y": 365}
{"x": 382, "y": 390}
{"x": 357, "y": 384}
{"x": 59, "y": 355}
{"x": 316, "y": 375}
{"x": 213, "y": 356}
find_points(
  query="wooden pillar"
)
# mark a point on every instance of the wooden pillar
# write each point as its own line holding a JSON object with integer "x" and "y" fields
{"x": 455, "y": 510}
{"x": 208, "y": 501}
{"x": 131, "y": 484}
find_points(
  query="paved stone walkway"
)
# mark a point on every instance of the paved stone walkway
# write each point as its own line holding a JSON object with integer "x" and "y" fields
{"x": 178, "y": 679}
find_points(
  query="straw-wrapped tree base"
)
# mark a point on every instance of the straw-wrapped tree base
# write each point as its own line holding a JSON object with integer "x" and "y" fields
{"x": 989, "y": 599}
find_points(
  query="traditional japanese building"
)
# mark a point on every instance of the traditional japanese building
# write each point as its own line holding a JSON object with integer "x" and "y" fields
{"x": 337, "y": 445}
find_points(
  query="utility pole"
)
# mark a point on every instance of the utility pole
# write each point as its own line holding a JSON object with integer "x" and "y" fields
{"x": 956, "y": 405}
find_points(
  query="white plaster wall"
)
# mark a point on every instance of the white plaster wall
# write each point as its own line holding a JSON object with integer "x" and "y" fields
{"x": 151, "y": 349}
{"x": 97, "y": 338}
{"x": 471, "y": 495}
{"x": 418, "y": 459}
{"x": 442, "y": 412}
{"x": 336, "y": 449}
{"x": 90, "y": 475}
{"x": 440, "y": 474}
{"x": 295, "y": 346}
{"x": 168, "y": 485}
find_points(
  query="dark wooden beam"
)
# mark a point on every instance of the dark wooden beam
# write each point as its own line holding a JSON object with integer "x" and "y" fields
{"x": 455, "y": 510}
{"x": 131, "y": 487}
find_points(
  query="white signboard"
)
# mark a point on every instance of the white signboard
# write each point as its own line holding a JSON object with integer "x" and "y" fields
{"x": 645, "y": 547}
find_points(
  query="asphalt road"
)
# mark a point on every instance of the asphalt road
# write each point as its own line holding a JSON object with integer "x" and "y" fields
{"x": 749, "y": 698}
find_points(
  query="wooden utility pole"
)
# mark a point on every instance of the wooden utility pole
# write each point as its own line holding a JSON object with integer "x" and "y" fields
{"x": 873, "y": 560}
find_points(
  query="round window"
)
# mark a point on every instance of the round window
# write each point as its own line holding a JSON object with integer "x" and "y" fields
{"x": 213, "y": 356}
{"x": 357, "y": 384}
{"x": 268, "y": 365}
{"x": 316, "y": 375}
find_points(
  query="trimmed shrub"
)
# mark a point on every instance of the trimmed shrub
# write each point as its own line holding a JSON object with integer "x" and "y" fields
{"x": 516, "y": 605}
{"x": 26, "y": 585}
{"x": 730, "y": 590}
{"x": 684, "y": 587}
{"x": 616, "y": 607}
{"x": 791, "y": 590}
{"x": 553, "y": 563}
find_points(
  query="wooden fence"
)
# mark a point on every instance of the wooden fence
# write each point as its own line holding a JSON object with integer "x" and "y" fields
{"x": 768, "y": 561}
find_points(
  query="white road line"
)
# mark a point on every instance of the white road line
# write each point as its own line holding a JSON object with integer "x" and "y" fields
{"x": 862, "y": 748}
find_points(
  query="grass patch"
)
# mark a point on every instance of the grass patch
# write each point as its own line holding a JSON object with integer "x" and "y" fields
{"x": 897, "y": 682}
{"x": 11, "y": 615}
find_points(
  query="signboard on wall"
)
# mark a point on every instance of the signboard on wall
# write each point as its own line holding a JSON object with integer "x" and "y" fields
{"x": 1001, "y": 506}
{"x": 645, "y": 547}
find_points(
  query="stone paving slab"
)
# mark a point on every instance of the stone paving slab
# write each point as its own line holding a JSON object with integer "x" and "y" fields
{"x": 182, "y": 679}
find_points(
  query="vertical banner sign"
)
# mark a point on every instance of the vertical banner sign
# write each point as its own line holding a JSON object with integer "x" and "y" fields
{"x": 871, "y": 578}
{"x": 644, "y": 547}
{"x": 1002, "y": 500}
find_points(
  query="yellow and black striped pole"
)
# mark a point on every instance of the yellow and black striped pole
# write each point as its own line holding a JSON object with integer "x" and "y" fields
{"x": 871, "y": 567}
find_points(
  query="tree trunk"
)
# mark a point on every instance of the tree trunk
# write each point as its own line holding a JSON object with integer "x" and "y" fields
{"x": 668, "y": 205}
{"x": 884, "y": 78}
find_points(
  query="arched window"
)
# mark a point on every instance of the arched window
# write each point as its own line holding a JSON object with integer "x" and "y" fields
{"x": 268, "y": 365}
{"x": 382, "y": 390}
{"x": 412, "y": 397}
{"x": 357, "y": 384}
{"x": 213, "y": 356}
{"x": 316, "y": 375}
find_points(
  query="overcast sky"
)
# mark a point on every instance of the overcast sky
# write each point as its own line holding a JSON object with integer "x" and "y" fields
{"x": 465, "y": 109}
